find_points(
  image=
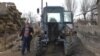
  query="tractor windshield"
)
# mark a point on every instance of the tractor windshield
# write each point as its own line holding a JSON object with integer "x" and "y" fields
{"x": 53, "y": 17}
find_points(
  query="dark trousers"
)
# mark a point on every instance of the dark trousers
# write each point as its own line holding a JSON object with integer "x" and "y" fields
{"x": 26, "y": 44}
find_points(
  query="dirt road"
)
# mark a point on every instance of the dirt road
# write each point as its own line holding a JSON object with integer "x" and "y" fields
{"x": 77, "y": 50}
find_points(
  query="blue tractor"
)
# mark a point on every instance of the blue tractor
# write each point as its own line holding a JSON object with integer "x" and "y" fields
{"x": 56, "y": 24}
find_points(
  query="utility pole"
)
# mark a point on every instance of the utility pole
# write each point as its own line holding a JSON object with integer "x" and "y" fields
{"x": 41, "y": 5}
{"x": 46, "y": 4}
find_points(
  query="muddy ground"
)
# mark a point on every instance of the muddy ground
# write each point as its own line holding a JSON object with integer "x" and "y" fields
{"x": 78, "y": 49}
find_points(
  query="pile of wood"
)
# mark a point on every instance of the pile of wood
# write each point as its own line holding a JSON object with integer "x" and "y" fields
{"x": 10, "y": 23}
{"x": 10, "y": 18}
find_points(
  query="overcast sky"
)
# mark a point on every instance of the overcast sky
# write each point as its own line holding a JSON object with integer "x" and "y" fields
{"x": 26, "y": 6}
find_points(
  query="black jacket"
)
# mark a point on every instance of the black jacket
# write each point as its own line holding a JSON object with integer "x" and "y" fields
{"x": 30, "y": 31}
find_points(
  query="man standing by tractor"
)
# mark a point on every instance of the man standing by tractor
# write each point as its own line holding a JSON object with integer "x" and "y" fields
{"x": 26, "y": 34}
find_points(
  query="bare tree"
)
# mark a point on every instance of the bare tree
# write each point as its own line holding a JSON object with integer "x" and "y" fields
{"x": 92, "y": 5}
{"x": 71, "y": 5}
{"x": 88, "y": 6}
{"x": 68, "y": 4}
{"x": 84, "y": 8}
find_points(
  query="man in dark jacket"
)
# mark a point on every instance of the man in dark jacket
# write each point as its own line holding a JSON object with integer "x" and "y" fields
{"x": 26, "y": 34}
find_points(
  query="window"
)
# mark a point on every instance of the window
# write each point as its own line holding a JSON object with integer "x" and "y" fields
{"x": 53, "y": 17}
{"x": 67, "y": 17}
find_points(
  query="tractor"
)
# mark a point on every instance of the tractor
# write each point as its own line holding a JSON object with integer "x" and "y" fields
{"x": 57, "y": 26}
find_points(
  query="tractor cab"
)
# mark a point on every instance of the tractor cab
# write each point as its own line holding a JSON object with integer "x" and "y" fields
{"x": 54, "y": 19}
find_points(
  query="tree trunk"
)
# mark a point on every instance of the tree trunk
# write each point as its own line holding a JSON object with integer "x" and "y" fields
{"x": 84, "y": 16}
{"x": 91, "y": 17}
